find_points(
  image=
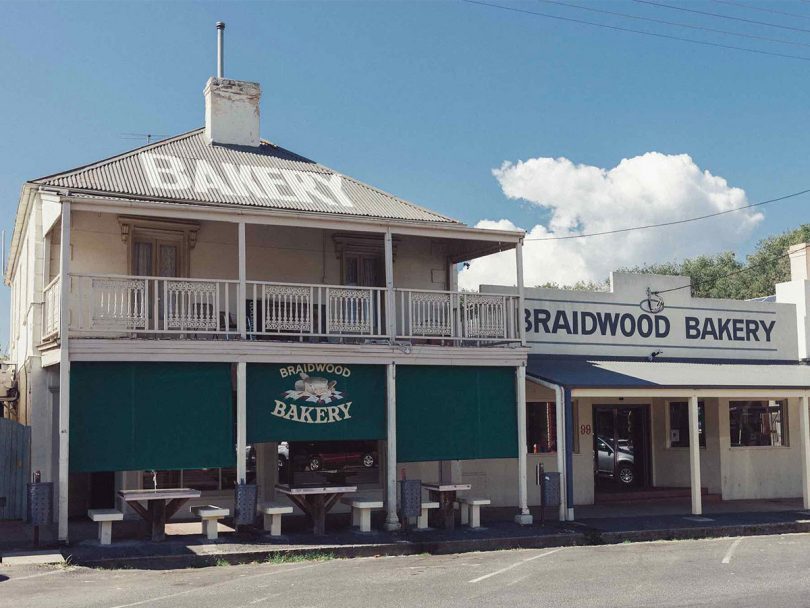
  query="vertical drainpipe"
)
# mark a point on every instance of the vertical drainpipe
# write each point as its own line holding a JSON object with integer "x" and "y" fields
{"x": 563, "y": 443}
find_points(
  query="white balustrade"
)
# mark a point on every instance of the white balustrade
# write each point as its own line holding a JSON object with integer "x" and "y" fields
{"x": 296, "y": 310}
{"x": 457, "y": 317}
{"x": 129, "y": 306}
{"x": 117, "y": 305}
{"x": 52, "y": 298}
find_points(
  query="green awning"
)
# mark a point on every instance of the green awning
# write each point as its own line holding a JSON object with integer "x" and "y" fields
{"x": 455, "y": 413}
{"x": 136, "y": 416}
{"x": 315, "y": 402}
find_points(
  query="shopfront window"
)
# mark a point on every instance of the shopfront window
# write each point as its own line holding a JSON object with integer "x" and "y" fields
{"x": 205, "y": 480}
{"x": 318, "y": 463}
{"x": 679, "y": 424}
{"x": 541, "y": 427}
{"x": 758, "y": 423}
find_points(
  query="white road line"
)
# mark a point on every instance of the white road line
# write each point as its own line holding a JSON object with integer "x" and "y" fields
{"x": 515, "y": 565}
{"x": 22, "y": 578}
{"x": 731, "y": 549}
{"x": 206, "y": 587}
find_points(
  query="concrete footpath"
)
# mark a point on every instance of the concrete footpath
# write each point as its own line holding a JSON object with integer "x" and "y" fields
{"x": 186, "y": 547}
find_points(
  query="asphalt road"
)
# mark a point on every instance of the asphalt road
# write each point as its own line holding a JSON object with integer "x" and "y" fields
{"x": 761, "y": 571}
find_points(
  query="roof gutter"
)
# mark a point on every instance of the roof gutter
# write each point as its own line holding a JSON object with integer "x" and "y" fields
{"x": 373, "y": 224}
{"x": 20, "y": 223}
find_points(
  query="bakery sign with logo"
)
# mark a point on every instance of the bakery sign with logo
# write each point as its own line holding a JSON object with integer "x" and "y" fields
{"x": 315, "y": 402}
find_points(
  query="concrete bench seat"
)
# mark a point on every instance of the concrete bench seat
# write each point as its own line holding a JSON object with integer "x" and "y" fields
{"x": 361, "y": 511}
{"x": 471, "y": 510}
{"x": 272, "y": 513}
{"x": 105, "y": 517}
{"x": 210, "y": 516}
{"x": 422, "y": 520}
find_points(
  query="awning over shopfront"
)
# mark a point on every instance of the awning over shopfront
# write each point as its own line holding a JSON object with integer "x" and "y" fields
{"x": 455, "y": 413}
{"x": 139, "y": 416}
{"x": 579, "y": 375}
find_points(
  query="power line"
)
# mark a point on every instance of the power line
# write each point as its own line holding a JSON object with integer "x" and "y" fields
{"x": 642, "y": 32}
{"x": 759, "y": 8}
{"x": 676, "y": 23}
{"x": 671, "y": 223}
{"x": 725, "y": 276}
{"x": 721, "y": 16}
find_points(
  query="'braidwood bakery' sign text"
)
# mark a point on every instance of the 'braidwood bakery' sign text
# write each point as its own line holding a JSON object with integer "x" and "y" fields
{"x": 644, "y": 325}
{"x": 650, "y": 315}
{"x": 314, "y": 399}
{"x": 315, "y": 402}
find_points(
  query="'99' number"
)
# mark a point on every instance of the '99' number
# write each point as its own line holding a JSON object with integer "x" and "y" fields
{"x": 584, "y": 429}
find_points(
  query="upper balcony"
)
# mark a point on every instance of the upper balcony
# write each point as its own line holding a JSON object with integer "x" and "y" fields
{"x": 127, "y": 306}
{"x": 147, "y": 278}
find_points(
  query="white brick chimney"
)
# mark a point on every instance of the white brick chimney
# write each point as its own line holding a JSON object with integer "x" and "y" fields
{"x": 797, "y": 291}
{"x": 232, "y": 112}
{"x": 799, "y": 262}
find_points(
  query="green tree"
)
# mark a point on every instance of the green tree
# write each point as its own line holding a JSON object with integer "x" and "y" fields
{"x": 724, "y": 276}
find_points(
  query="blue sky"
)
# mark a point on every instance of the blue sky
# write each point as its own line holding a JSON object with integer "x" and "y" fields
{"x": 422, "y": 99}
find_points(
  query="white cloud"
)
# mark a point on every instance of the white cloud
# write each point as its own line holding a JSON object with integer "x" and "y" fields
{"x": 647, "y": 189}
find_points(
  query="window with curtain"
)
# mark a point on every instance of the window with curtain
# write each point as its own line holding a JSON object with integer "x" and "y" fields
{"x": 541, "y": 427}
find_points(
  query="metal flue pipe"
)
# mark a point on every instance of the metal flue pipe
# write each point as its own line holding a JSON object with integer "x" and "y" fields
{"x": 220, "y": 49}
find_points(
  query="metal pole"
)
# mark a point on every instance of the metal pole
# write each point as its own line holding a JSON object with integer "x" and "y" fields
{"x": 241, "y": 303}
{"x": 64, "y": 373}
{"x": 694, "y": 455}
{"x": 220, "y": 49}
{"x": 523, "y": 517}
{"x": 804, "y": 439}
{"x": 241, "y": 422}
{"x": 520, "y": 289}
{"x": 390, "y": 313}
{"x": 391, "y": 519}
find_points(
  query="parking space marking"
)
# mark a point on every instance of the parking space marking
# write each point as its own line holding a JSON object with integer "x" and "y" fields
{"x": 206, "y": 587}
{"x": 730, "y": 552}
{"x": 515, "y": 565}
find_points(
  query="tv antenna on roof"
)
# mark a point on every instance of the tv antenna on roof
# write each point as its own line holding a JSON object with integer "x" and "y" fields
{"x": 148, "y": 136}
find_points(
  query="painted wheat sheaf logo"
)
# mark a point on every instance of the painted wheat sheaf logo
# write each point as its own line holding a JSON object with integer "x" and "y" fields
{"x": 314, "y": 390}
{"x": 313, "y": 399}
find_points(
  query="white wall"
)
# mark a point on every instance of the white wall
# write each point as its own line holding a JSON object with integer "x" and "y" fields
{"x": 274, "y": 253}
{"x": 761, "y": 472}
{"x": 671, "y": 465}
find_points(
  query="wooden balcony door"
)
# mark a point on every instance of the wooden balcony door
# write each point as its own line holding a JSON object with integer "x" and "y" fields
{"x": 156, "y": 256}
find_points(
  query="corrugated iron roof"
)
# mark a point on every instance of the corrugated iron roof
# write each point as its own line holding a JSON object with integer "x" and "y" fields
{"x": 186, "y": 169}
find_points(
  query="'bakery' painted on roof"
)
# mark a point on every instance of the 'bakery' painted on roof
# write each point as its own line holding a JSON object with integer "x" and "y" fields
{"x": 283, "y": 185}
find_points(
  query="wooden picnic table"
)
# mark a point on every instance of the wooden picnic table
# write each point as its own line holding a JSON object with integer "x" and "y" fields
{"x": 316, "y": 502}
{"x": 445, "y": 495}
{"x": 159, "y": 506}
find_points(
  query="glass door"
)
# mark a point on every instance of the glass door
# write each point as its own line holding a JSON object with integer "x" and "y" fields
{"x": 621, "y": 447}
